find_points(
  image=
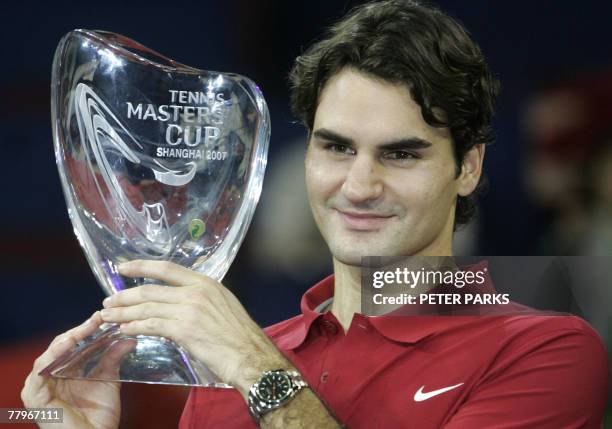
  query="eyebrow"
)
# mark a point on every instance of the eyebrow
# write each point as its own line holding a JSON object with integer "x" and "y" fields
{"x": 404, "y": 143}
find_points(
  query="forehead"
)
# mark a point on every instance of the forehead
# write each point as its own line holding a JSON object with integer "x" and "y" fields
{"x": 365, "y": 108}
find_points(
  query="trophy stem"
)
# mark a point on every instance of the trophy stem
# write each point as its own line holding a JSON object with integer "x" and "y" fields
{"x": 109, "y": 355}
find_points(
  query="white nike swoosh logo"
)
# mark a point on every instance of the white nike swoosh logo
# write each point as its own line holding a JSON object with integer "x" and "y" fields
{"x": 419, "y": 396}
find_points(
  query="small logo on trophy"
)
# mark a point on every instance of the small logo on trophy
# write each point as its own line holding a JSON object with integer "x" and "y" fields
{"x": 196, "y": 228}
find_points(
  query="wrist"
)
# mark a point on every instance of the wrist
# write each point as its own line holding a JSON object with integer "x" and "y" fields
{"x": 255, "y": 361}
{"x": 272, "y": 391}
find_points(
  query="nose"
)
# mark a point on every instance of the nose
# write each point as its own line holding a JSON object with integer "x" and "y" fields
{"x": 362, "y": 182}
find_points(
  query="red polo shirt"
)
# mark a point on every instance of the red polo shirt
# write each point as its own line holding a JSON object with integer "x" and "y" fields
{"x": 452, "y": 372}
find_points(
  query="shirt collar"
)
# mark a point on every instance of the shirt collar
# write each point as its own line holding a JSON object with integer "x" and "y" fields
{"x": 311, "y": 301}
{"x": 407, "y": 328}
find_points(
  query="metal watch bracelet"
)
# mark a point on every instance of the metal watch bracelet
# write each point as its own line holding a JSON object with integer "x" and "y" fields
{"x": 258, "y": 407}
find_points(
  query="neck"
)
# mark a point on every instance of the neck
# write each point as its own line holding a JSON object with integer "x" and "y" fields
{"x": 347, "y": 292}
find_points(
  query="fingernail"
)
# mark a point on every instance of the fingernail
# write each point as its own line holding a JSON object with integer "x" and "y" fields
{"x": 106, "y": 302}
{"x": 105, "y": 313}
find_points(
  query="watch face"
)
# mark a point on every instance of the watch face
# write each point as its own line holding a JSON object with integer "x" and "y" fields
{"x": 274, "y": 387}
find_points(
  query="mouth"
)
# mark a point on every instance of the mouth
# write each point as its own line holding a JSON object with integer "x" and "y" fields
{"x": 364, "y": 221}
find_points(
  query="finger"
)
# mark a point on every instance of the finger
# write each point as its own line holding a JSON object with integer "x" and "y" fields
{"x": 81, "y": 331}
{"x": 28, "y": 388}
{"x": 60, "y": 345}
{"x": 145, "y": 293}
{"x": 168, "y": 272}
{"x": 68, "y": 340}
{"x": 143, "y": 311}
{"x": 154, "y": 326}
{"x": 110, "y": 364}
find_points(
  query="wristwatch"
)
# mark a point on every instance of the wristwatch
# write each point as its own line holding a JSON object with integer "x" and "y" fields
{"x": 273, "y": 390}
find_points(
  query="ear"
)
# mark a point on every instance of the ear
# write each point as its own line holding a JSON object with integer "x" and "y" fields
{"x": 471, "y": 169}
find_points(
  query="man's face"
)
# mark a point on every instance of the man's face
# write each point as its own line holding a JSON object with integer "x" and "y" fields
{"x": 380, "y": 180}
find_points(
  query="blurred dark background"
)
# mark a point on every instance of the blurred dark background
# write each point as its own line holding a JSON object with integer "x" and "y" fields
{"x": 550, "y": 171}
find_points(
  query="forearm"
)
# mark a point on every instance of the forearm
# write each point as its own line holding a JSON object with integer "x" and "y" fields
{"x": 305, "y": 411}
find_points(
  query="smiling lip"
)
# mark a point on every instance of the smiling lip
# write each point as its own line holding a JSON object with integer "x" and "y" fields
{"x": 363, "y": 221}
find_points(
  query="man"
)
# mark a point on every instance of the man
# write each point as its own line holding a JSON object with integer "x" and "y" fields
{"x": 397, "y": 100}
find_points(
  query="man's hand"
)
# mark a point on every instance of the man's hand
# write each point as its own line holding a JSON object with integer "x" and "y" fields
{"x": 87, "y": 404}
{"x": 201, "y": 315}
{"x": 206, "y": 318}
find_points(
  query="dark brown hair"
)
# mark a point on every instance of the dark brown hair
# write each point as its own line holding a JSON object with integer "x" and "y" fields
{"x": 419, "y": 46}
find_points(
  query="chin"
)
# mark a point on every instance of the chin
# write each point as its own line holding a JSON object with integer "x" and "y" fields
{"x": 348, "y": 255}
{"x": 352, "y": 254}
{"x": 352, "y": 260}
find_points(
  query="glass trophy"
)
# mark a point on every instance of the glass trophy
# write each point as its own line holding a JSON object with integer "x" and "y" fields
{"x": 157, "y": 161}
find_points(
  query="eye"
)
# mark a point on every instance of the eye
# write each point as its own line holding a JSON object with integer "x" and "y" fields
{"x": 400, "y": 155}
{"x": 340, "y": 148}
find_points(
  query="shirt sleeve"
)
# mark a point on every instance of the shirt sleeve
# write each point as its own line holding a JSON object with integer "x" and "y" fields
{"x": 555, "y": 380}
{"x": 211, "y": 408}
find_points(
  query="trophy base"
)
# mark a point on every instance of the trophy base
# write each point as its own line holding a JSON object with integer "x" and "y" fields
{"x": 109, "y": 355}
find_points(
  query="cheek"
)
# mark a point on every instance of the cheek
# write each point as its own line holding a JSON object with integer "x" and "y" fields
{"x": 321, "y": 180}
{"x": 428, "y": 192}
